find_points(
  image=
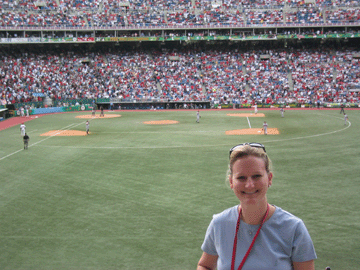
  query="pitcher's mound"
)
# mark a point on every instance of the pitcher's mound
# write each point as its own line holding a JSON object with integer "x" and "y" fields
{"x": 246, "y": 114}
{"x": 89, "y": 116}
{"x": 161, "y": 122}
{"x": 64, "y": 133}
{"x": 252, "y": 131}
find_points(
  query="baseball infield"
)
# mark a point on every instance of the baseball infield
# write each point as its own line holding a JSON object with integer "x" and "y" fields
{"x": 252, "y": 131}
{"x": 64, "y": 133}
{"x": 89, "y": 116}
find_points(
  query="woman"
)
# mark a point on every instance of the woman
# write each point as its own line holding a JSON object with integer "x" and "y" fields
{"x": 255, "y": 234}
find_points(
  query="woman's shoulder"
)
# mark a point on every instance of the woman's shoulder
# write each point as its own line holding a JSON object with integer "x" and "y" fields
{"x": 227, "y": 214}
{"x": 282, "y": 216}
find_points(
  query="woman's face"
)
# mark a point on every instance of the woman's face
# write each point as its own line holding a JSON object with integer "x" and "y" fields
{"x": 250, "y": 180}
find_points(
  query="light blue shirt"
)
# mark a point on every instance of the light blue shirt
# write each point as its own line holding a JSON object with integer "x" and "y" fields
{"x": 282, "y": 239}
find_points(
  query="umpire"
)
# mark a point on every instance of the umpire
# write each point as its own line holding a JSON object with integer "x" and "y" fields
{"x": 26, "y": 139}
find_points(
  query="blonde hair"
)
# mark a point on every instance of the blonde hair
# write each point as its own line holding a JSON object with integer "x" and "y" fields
{"x": 245, "y": 151}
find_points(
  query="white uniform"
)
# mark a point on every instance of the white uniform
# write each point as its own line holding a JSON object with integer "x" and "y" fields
{"x": 282, "y": 112}
{"x": 22, "y": 129}
{"x": 345, "y": 118}
{"x": 87, "y": 127}
{"x": 255, "y": 109}
{"x": 198, "y": 117}
{"x": 265, "y": 126}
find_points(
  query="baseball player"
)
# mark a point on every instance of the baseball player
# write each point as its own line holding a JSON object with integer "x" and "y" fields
{"x": 265, "y": 126}
{"x": 255, "y": 109}
{"x": 26, "y": 139}
{"x": 87, "y": 124}
{"x": 22, "y": 129}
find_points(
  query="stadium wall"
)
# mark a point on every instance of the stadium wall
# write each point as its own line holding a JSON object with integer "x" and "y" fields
{"x": 162, "y": 106}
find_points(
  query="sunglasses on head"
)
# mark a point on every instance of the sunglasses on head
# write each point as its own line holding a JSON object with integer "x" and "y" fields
{"x": 257, "y": 145}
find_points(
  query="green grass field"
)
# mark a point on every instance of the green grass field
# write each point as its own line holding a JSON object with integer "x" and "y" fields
{"x": 137, "y": 196}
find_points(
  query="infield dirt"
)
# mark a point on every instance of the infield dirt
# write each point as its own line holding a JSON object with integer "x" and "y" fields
{"x": 89, "y": 116}
{"x": 64, "y": 133}
{"x": 252, "y": 131}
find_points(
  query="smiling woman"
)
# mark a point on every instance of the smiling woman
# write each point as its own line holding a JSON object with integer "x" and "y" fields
{"x": 249, "y": 181}
{"x": 266, "y": 237}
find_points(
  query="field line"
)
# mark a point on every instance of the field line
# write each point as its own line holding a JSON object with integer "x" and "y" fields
{"x": 313, "y": 136}
{"x": 248, "y": 122}
{"x": 197, "y": 146}
{"x": 172, "y": 146}
{"x": 160, "y": 132}
{"x": 9, "y": 155}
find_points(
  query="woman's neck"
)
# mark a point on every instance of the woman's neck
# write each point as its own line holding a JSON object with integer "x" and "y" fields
{"x": 253, "y": 214}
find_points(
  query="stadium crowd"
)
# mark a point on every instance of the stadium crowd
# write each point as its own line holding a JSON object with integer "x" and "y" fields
{"x": 218, "y": 75}
{"x": 141, "y": 13}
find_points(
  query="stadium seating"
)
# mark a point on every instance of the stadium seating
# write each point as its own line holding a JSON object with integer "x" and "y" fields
{"x": 217, "y": 75}
{"x": 180, "y": 75}
{"x": 140, "y": 13}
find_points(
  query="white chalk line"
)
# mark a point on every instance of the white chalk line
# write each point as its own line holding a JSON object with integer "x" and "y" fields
{"x": 160, "y": 132}
{"x": 164, "y": 147}
{"x": 193, "y": 146}
{"x": 248, "y": 122}
{"x": 60, "y": 131}
{"x": 312, "y": 136}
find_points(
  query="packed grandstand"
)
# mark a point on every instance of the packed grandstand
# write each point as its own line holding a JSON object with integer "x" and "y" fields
{"x": 224, "y": 52}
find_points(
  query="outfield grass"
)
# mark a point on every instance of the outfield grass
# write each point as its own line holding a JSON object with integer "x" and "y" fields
{"x": 136, "y": 196}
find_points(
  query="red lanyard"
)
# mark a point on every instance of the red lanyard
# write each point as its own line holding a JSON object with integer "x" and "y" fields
{"x": 252, "y": 243}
